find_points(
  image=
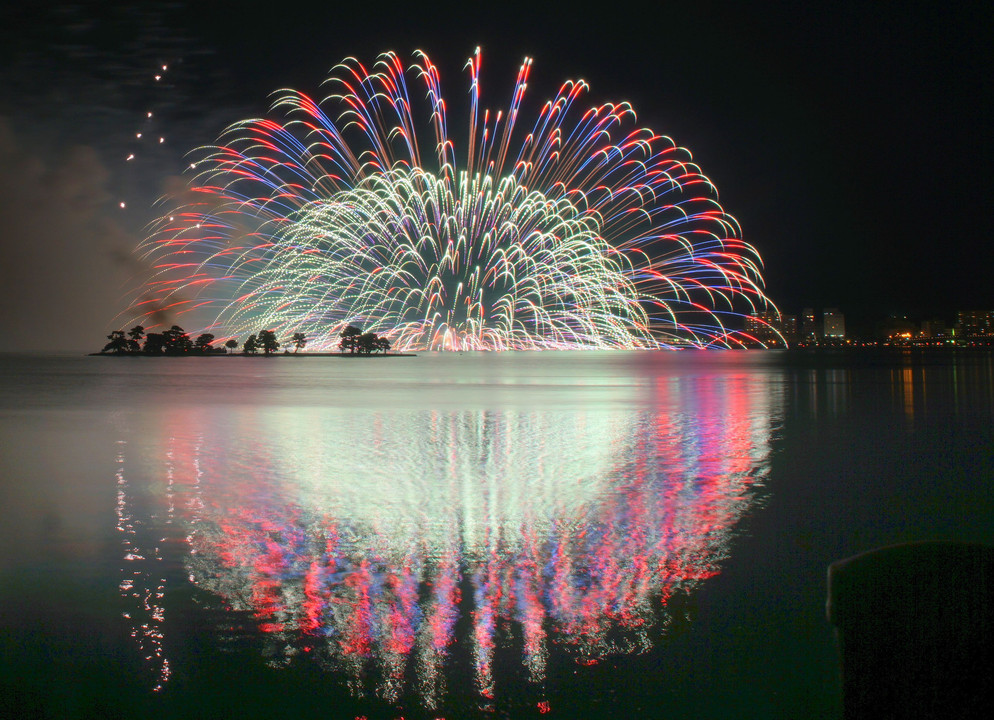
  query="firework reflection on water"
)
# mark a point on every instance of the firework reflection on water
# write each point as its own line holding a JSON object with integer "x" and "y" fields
{"x": 383, "y": 544}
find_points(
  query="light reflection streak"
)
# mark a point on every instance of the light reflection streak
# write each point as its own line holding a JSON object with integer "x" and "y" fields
{"x": 363, "y": 538}
{"x": 141, "y": 586}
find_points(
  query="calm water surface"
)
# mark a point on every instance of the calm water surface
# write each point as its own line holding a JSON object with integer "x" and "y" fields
{"x": 566, "y": 535}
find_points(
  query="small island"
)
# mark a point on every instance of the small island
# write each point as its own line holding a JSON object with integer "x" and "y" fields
{"x": 177, "y": 342}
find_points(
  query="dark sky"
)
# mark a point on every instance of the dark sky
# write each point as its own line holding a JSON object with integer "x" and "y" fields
{"x": 850, "y": 139}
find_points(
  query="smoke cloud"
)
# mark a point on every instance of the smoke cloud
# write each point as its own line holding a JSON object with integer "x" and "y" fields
{"x": 64, "y": 272}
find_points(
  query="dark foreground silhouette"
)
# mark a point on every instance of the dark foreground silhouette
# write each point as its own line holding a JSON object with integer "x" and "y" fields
{"x": 915, "y": 629}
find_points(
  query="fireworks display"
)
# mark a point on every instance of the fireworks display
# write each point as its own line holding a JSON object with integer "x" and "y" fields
{"x": 577, "y": 230}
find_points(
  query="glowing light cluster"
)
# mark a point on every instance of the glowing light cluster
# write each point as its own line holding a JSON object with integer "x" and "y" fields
{"x": 582, "y": 231}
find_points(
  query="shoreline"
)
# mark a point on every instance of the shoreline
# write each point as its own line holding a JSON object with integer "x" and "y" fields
{"x": 802, "y": 350}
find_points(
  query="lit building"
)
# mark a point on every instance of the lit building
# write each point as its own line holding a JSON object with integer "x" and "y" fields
{"x": 788, "y": 328}
{"x": 767, "y": 328}
{"x": 809, "y": 329}
{"x": 934, "y": 329}
{"x": 834, "y": 324}
{"x": 975, "y": 324}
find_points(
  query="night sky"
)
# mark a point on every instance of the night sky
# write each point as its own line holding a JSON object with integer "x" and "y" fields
{"x": 851, "y": 140}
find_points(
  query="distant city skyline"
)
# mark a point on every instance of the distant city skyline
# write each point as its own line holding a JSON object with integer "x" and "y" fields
{"x": 772, "y": 328}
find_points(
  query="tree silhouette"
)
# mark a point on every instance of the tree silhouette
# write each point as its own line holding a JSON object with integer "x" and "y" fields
{"x": 135, "y": 336}
{"x": 155, "y": 343}
{"x": 267, "y": 339}
{"x": 177, "y": 341}
{"x": 350, "y": 339}
{"x": 203, "y": 343}
{"x": 367, "y": 343}
{"x": 118, "y": 343}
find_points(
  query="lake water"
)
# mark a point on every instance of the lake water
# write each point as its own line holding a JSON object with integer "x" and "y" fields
{"x": 564, "y": 535}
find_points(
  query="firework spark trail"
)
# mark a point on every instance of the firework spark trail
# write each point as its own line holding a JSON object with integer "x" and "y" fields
{"x": 586, "y": 233}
